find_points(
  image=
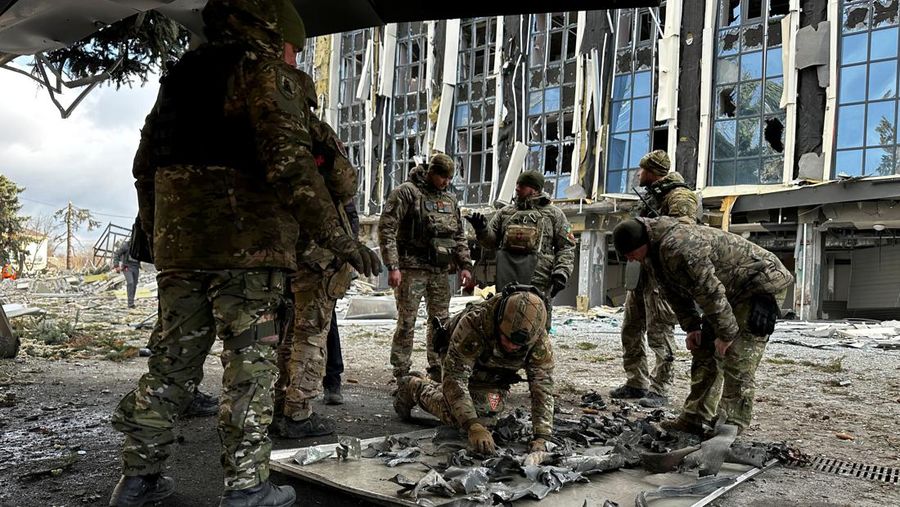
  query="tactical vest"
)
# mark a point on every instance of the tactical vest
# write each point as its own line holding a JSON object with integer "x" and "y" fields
{"x": 523, "y": 233}
{"x": 430, "y": 226}
{"x": 192, "y": 127}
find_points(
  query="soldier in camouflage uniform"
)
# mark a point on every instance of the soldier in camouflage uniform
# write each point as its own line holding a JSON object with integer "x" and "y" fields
{"x": 422, "y": 241}
{"x": 533, "y": 239}
{"x": 320, "y": 280}
{"x": 224, "y": 177}
{"x": 645, "y": 310}
{"x": 739, "y": 287}
{"x": 489, "y": 343}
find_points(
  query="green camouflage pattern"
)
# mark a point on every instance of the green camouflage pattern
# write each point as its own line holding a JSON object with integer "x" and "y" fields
{"x": 657, "y": 162}
{"x": 556, "y": 255}
{"x": 678, "y": 202}
{"x": 489, "y": 402}
{"x": 195, "y": 307}
{"x": 414, "y": 285}
{"x": 646, "y": 311}
{"x": 474, "y": 357}
{"x": 403, "y": 209}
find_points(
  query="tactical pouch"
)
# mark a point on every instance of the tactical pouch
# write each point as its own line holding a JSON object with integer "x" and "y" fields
{"x": 764, "y": 312}
{"x": 441, "y": 252}
{"x": 522, "y": 238}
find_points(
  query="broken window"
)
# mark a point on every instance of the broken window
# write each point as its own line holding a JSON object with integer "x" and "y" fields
{"x": 748, "y": 124}
{"x": 551, "y": 98}
{"x": 306, "y": 57}
{"x": 473, "y": 120}
{"x": 410, "y": 102}
{"x": 867, "y": 89}
{"x": 633, "y": 130}
{"x": 351, "y": 111}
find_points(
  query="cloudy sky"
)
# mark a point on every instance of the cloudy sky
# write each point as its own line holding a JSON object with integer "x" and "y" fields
{"x": 85, "y": 159}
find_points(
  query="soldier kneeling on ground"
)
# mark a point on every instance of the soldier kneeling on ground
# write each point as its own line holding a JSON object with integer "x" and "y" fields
{"x": 489, "y": 343}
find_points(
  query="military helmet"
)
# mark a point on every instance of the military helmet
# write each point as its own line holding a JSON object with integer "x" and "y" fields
{"x": 630, "y": 235}
{"x": 657, "y": 162}
{"x": 262, "y": 22}
{"x": 522, "y": 317}
{"x": 291, "y": 24}
{"x": 442, "y": 164}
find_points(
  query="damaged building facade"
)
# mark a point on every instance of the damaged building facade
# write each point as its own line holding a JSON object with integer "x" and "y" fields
{"x": 781, "y": 113}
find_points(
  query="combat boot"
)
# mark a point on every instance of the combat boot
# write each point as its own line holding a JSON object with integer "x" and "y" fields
{"x": 685, "y": 424}
{"x": 138, "y": 490}
{"x": 434, "y": 374}
{"x": 333, "y": 396}
{"x": 626, "y": 392}
{"x": 264, "y": 494}
{"x": 313, "y": 426}
{"x": 404, "y": 397}
{"x": 202, "y": 405}
{"x": 653, "y": 400}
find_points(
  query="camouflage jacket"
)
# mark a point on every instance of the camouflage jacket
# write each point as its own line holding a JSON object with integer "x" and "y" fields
{"x": 224, "y": 172}
{"x": 717, "y": 269}
{"x": 474, "y": 352}
{"x": 671, "y": 202}
{"x": 400, "y": 232}
{"x": 556, "y": 254}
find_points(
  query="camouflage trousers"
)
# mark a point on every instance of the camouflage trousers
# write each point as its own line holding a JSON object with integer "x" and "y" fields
{"x": 726, "y": 385}
{"x": 489, "y": 401}
{"x": 302, "y": 354}
{"x": 196, "y": 306}
{"x": 414, "y": 285}
{"x": 646, "y": 311}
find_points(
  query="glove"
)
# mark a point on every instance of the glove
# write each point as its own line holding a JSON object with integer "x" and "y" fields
{"x": 480, "y": 439}
{"x": 361, "y": 257}
{"x": 538, "y": 445}
{"x": 557, "y": 284}
{"x": 478, "y": 221}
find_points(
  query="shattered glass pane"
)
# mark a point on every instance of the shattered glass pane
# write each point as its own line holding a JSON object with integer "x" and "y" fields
{"x": 640, "y": 145}
{"x": 879, "y": 161}
{"x": 772, "y": 170}
{"x": 724, "y": 140}
{"x": 569, "y": 70}
{"x": 641, "y": 118}
{"x": 535, "y": 102}
{"x": 754, "y": 9}
{"x": 623, "y": 61}
{"x": 753, "y": 38}
{"x": 773, "y": 63}
{"x": 538, "y": 48}
{"x": 553, "y": 75}
{"x": 643, "y": 57}
{"x": 747, "y": 172}
{"x": 751, "y": 94}
{"x": 778, "y": 7}
{"x": 729, "y": 42}
{"x": 856, "y": 18}
{"x": 641, "y": 84}
{"x": 477, "y": 112}
{"x": 773, "y": 135}
{"x": 621, "y": 116}
{"x": 536, "y": 79}
{"x": 774, "y": 34}
{"x": 625, "y": 28}
{"x": 884, "y": 44}
{"x": 751, "y": 65}
{"x": 884, "y": 13}
{"x": 849, "y": 162}
{"x": 748, "y": 138}
{"x": 723, "y": 173}
{"x": 772, "y": 96}
{"x": 568, "y": 94}
{"x": 622, "y": 87}
{"x": 727, "y": 70}
{"x": 883, "y": 80}
{"x": 853, "y": 48}
{"x": 726, "y": 103}
{"x": 881, "y": 123}
{"x": 536, "y": 130}
{"x": 618, "y": 151}
{"x": 850, "y": 126}
{"x": 730, "y": 13}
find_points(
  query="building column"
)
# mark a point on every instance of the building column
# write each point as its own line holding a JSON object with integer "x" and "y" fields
{"x": 808, "y": 271}
{"x": 591, "y": 267}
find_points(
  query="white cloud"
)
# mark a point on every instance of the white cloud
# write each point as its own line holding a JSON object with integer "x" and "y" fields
{"x": 85, "y": 159}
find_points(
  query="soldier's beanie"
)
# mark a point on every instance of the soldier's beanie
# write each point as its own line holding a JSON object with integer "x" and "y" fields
{"x": 291, "y": 24}
{"x": 657, "y": 162}
{"x": 630, "y": 235}
{"x": 531, "y": 179}
{"x": 523, "y": 318}
{"x": 442, "y": 164}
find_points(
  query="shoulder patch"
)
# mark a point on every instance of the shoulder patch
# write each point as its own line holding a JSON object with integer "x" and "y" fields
{"x": 287, "y": 86}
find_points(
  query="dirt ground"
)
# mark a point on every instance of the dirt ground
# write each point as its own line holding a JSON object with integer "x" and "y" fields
{"x": 57, "y": 447}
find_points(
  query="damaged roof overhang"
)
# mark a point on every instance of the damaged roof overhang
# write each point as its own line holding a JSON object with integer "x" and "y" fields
{"x": 851, "y": 190}
{"x": 32, "y": 26}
